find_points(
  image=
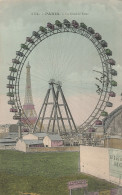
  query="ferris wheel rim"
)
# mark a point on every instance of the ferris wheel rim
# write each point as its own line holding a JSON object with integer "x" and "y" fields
{"x": 82, "y": 32}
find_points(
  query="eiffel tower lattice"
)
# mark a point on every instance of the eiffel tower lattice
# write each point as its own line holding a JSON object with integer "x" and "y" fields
{"x": 28, "y": 107}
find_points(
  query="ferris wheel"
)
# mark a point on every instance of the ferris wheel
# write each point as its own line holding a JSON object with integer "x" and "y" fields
{"x": 104, "y": 79}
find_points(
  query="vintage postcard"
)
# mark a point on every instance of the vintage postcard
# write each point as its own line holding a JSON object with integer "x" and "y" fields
{"x": 60, "y": 97}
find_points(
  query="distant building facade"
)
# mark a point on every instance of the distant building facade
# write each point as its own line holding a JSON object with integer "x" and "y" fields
{"x": 23, "y": 145}
{"x": 53, "y": 141}
{"x": 13, "y": 128}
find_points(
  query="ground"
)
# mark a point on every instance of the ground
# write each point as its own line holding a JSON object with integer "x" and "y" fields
{"x": 42, "y": 173}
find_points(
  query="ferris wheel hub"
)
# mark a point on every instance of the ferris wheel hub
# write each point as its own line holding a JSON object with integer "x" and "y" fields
{"x": 54, "y": 82}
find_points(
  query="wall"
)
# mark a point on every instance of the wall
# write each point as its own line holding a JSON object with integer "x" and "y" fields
{"x": 96, "y": 161}
{"x": 113, "y": 143}
{"x": 47, "y": 141}
{"x": 7, "y": 147}
{"x": 55, "y": 149}
{"x": 3, "y": 134}
{"x": 21, "y": 146}
{"x": 56, "y": 143}
{"x": 13, "y": 128}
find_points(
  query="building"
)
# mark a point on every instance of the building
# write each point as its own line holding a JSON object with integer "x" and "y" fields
{"x": 7, "y": 143}
{"x": 23, "y": 145}
{"x": 4, "y": 129}
{"x": 13, "y": 128}
{"x": 113, "y": 122}
{"x": 53, "y": 141}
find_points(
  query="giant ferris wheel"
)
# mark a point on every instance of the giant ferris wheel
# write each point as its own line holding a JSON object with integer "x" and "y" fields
{"x": 103, "y": 82}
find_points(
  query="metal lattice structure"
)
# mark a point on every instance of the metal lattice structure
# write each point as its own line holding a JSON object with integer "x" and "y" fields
{"x": 55, "y": 90}
{"x": 28, "y": 107}
{"x": 105, "y": 92}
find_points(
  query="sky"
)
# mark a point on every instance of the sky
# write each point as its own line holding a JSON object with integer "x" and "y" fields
{"x": 67, "y": 57}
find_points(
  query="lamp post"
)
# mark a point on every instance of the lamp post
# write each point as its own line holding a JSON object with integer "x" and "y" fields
{"x": 20, "y": 132}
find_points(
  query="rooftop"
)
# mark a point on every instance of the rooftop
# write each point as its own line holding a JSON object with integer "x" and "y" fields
{"x": 7, "y": 144}
{"x": 40, "y": 134}
{"x": 33, "y": 142}
{"x": 55, "y": 137}
{"x": 7, "y": 141}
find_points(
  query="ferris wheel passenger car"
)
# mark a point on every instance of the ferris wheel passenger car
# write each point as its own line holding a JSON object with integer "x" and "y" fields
{"x": 16, "y": 117}
{"x": 98, "y": 122}
{"x": 15, "y": 61}
{"x": 10, "y": 86}
{"x": 23, "y": 46}
{"x": 13, "y": 110}
{"x": 75, "y": 24}
{"x": 12, "y": 69}
{"x": 83, "y": 26}
{"x": 112, "y": 94}
{"x": 58, "y": 23}
{"x": 113, "y": 83}
{"x": 111, "y": 62}
{"x": 11, "y": 78}
{"x": 36, "y": 34}
{"x": 104, "y": 43}
{"x": 103, "y": 113}
{"x": 43, "y": 30}
{"x": 50, "y": 26}
{"x": 113, "y": 72}
{"x": 11, "y": 102}
{"x": 18, "y": 53}
{"x": 28, "y": 39}
{"x": 109, "y": 104}
{"x": 98, "y": 36}
{"x": 66, "y": 23}
{"x": 108, "y": 52}
{"x": 91, "y": 30}
{"x": 10, "y": 94}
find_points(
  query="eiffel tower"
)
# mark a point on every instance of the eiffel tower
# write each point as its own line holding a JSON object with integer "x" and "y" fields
{"x": 28, "y": 106}
{"x": 60, "y": 118}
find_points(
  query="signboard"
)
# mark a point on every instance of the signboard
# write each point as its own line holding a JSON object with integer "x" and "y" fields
{"x": 115, "y": 162}
{"x": 77, "y": 184}
{"x": 93, "y": 193}
{"x": 105, "y": 192}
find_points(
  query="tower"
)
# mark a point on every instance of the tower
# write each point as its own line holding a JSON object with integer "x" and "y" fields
{"x": 28, "y": 106}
